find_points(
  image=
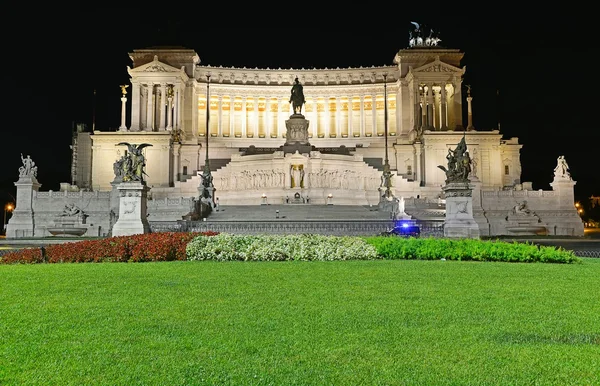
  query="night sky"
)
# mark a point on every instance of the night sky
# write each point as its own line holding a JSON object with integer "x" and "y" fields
{"x": 534, "y": 74}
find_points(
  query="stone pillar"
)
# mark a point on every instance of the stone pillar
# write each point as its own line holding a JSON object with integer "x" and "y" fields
{"x": 170, "y": 113}
{"x": 21, "y": 223}
{"x": 315, "y": 127}
{"x": 418, "y": 165}
{"x": 459, "y": 222}
{"x": 362, "y": 116}
{"x": 338, "y": 117}
{"x": 350, "y": 118}
{"x": 133, "y": 201}
{"x": 179, "y": 105}
{"x": 470, "y": 113}
{"x": 423, "y": 99}
{"x": 568, "y": 223}
{"x": 268, "y": 117}
{"x": 220, "y": 116}
{"x": 176, "y": 152}
{"x": 123, "y": 113}
{"x": 327, "y": 125}
{"x": 430, "y": 107}
{"x": 374, "y": 111}
{"x": 149, "y": 109}
{"x": 444, "y": 108}
{"x": 135, "y": 106}
{"x": 161, "y": 106}
{"x": 244, "y": 117}
{"x": 416, "y": 107}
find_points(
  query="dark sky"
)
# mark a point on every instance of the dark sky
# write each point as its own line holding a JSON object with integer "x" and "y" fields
{"x": 534, "y": 73}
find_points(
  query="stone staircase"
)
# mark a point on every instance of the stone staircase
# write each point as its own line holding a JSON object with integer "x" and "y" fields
{"x": 376, "y": 163}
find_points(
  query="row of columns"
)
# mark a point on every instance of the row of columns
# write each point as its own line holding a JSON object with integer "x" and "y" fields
{"x": 273, "y": 122}
{"x": 154, "y": 107}
{"x": 434, "y": 109}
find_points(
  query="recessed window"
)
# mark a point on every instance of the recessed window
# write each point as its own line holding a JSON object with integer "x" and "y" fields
{"x": 506, "y": 170}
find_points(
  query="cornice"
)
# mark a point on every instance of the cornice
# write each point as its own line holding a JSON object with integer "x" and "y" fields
{"x": 284, "y": 91}
{"x": 325, "y": 77}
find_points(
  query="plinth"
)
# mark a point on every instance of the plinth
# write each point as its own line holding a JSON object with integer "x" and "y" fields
{"x": 21, "y": 223}
{"x": 133, "y": 213}
{"x": 459, "y": 222}
{"x": 297, "y": 135}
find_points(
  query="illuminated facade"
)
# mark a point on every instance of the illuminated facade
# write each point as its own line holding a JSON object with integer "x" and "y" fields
{"x": 345, "y": 107}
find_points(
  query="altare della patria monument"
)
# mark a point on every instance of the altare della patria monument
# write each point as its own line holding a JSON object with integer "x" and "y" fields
{"x": 375, "y": 143}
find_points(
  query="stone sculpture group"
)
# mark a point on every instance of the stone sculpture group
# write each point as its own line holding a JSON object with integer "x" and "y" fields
{"x": 130, "y": 167}
{"x": 459, "y": 163}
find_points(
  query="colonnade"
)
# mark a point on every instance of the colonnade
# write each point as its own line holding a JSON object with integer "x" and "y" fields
{"x": 264, "y": 117}
{"x": 156, "y": 106}
{"x": 437, "y": 107}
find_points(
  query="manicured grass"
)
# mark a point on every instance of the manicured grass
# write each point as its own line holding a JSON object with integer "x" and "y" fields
{"x": 403, "y": 322}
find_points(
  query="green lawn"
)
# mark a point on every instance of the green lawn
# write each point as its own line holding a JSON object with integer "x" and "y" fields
{"x": 403, "y": 322}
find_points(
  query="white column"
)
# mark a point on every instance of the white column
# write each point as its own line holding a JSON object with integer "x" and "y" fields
{"x": 315, "y": 122}
{"x": 268, "y": 117}
{"x": 180, "y": 97}
{"x": 244, "y": 117}
{"x": 176, "y": 151}
{"x": 328, "y": 118}
{"x": 135, "y": 106}
{"x": 255, "y": 118}
{"x": 123, "y": 113}
{"x": 416, "y": 107}
{"x": 170, "y": 113}
{"x": 232, "y": 116}
{"x": 430, "y": 106}
{"x": 362, "y": 116}
{"x": 220, "y": 117}
{"x": 350, "y": 118}
{"x": 161, "y": 106}
{"x": 424, "y": 109}
{"x": 374, "y": 108}
{"x": 149, "y": 110}
{"x": 338, "y": 117}
{"x": 444, "y": 108}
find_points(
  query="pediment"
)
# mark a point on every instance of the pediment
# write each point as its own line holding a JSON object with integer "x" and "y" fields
{"x": 155, "y": 66}
{"x": 438, "y": 66}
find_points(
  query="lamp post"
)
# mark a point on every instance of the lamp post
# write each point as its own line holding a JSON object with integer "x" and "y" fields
{"x": 387, "y": 174}
{"x": 207, "y": 184}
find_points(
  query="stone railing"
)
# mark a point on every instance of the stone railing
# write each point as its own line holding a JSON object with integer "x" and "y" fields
{"x": 280, "y": 227}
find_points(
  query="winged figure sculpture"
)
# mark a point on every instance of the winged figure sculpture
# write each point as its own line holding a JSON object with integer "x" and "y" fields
{"x": 130, "y": 167}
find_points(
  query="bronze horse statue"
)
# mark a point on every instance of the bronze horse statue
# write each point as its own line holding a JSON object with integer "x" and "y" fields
{"x": 297, "y": 97}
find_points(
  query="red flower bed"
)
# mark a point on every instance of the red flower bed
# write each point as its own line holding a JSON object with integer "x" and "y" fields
{"x": 162, "y": 246}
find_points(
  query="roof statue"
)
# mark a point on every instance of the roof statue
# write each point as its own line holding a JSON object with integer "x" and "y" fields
{"x": 29, "y": 169}
{"x": 419, "y": 38}
{"x": 130, "y": 167}
{"x": 124, "y": 89}
{"x": 562, "y": 168}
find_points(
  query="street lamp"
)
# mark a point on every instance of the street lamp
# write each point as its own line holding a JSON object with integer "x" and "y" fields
{"x": 7, "y": 208}
{"x": 387, "y": 174}
{"x": 207, "y": 184}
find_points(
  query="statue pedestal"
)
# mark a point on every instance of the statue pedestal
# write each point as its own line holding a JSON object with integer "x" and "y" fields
{"x": 21, "y": 223}
{"x": 459, "y": 221}
{"x": 133, "y": 203}
{"x": 297, "y": 135}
